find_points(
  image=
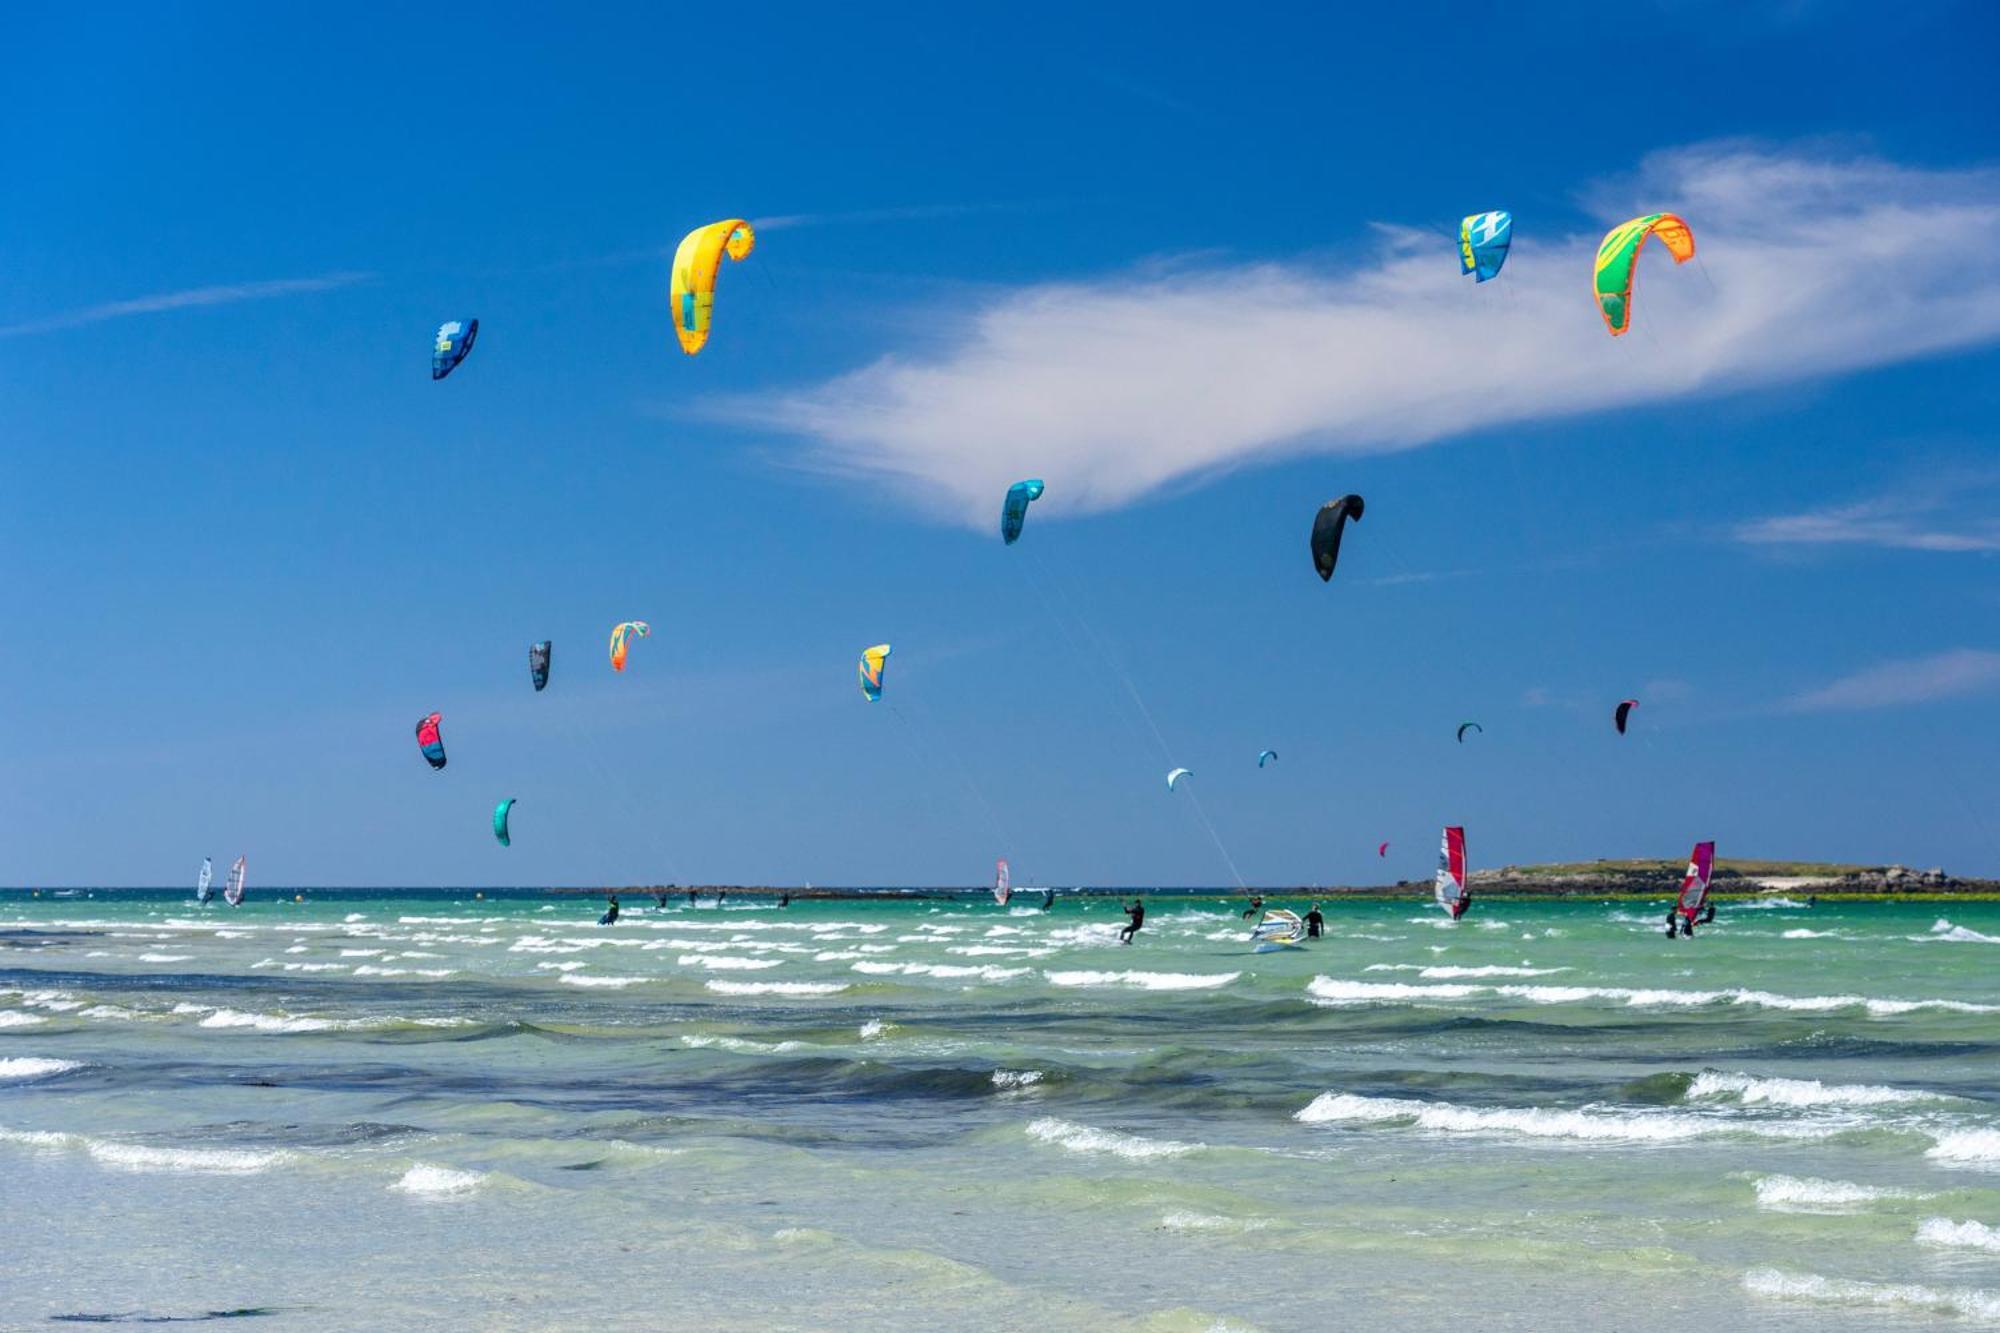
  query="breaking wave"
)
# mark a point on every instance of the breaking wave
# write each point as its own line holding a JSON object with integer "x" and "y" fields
{"x": 1067, "y": 1134}
{"x": 1846, "y": 1291}
{"x": 1590, "y": 1123}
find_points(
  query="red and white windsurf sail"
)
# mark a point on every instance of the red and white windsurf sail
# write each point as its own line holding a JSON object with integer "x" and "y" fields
{"x": 232, "y": 888}
{"x": 1003, "y": 883}
{"x": 1452, "y": 894}
{"x": 1694, "y": 884}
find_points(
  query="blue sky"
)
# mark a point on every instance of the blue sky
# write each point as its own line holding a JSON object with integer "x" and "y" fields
{"x": 1195, "y": 273}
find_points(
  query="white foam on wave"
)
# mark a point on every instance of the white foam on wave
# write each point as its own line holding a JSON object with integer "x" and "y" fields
{"x": 775, "y": 987}
{"x": 1751, "y": 1090}
{"x": 1335, "y": 991}
{"x": 439, "y": 1182}
{"x": 1945, "y": 930}
{"x": 1967, "y": 1147}
{"x": 943, "y": 971}
{"x": 1013, "y": 1080}
{"x": 1491, "y": 970}
{"x": 726, "y": 962}
{"x": 14, "y": 1018}
{"x": 1182, "y": 1219}
{"x": 33, "y": 1066}
{"x": 570, "y": 965}
{"x": 607, "y": 983}
{"x": 743, "y": 1045}
{"x": 1801, "y": 933}
{"x": 139, "y": 1157}
{"x": 875, "y": 1027}
{"x": 1965, "y": 1301}
{"x": 1352, "y": 992}
{"x": 1069, "y": 1135}
{"x": 236, "y": 1018}
{"x": 165, "y": 957}
{"x": 194, "y": 1161}
{"x": 1947, "y": 1234}
{"x": 1592, "y": 1124}
{"x": 1806, "y": 1194}
{"x": 1146, "y": 980}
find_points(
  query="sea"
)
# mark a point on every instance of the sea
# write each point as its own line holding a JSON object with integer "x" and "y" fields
{"x": 425, "y": 1109}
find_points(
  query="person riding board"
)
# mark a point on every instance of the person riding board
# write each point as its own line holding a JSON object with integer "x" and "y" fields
{"x": 610, "y": 917}
{"x": 1137, "y": 911}
{"x": 1048, "y": 899}
{"x": 1256, "y": 907}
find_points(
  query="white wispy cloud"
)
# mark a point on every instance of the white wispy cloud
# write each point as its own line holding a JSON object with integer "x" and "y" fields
{"x": 1931, "y": 519}
{"x": 1948, "y": 675}
{"x": 1113, "y": 388}
{"x": 221, "y": 294}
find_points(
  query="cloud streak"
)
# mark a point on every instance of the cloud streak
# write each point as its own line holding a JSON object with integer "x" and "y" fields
{"x": 1916, "y": 680}
{"x": 222, "y": 294}
{"x": 1119, "y": 387}
{"x": 1925, "y": 521}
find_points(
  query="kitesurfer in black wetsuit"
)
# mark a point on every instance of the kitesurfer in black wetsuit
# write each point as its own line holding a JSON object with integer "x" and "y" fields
{"x": 1256, "y": 907}
{"x": 785, "y": 900}
{"x": 1137, "y": 911}
{"x": 1315, "y": 923}
{"x": 1048, "y": 900}
{"x": 1708, "y": 915}
{"x": 692, "y": 896}
{"x": 610, "y": 917}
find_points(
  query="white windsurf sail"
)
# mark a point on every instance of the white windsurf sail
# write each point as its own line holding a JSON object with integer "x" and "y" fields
{"x": 1277, "y": 929}
{"x": 232, "y": 888}
{"x": 1003, "y": 882}
{"x": 1277, "y": 922}
{"x": 202, "y": 893}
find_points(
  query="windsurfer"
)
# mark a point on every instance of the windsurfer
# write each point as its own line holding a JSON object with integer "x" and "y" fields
{"x": 1048, "y": 899}
{"x": 610, "y": 916}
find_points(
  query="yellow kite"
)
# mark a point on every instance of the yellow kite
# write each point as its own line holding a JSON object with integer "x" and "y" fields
{"x": 695, "y": 263}
{"x": 873, "y": 660}
{"x": 1618, "y": 259}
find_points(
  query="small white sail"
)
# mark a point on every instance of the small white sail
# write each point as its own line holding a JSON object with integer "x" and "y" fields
{"x": 232, "y": 888}
{"x": 202, "y": 893}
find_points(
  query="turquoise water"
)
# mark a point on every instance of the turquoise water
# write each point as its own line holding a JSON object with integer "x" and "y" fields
{"x": 388, "y": 1110}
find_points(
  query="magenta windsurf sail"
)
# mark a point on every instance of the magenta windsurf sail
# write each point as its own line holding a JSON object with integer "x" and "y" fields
{"x": 1452, "y": 894}
{"x": 1003, "y": 882}
{"x": 1694, "y": 884}
{"x": 232, "y": 888}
